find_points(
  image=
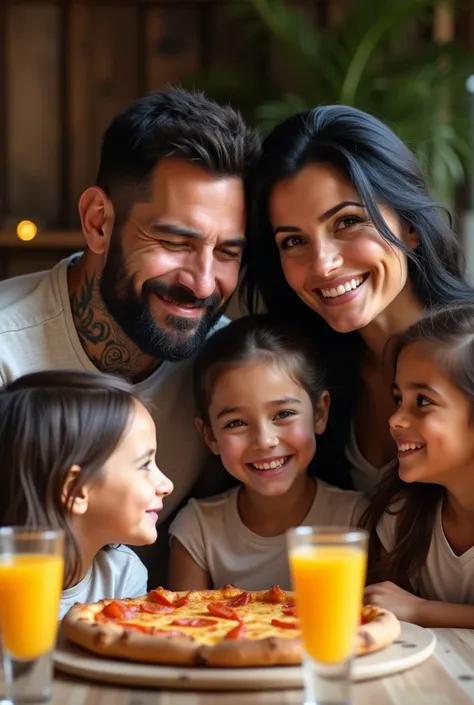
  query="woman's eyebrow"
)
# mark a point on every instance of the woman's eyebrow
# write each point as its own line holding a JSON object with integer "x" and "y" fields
{"x": 324, "y": 216}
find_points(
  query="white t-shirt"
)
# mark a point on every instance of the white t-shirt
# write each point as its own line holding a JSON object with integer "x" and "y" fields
{"x": 364, "y": 476}
{"x": 37, "y": 332}
{"x": 116, "y": 572}
{"x": 213, "y": 533}
{"x": 444, "y": 576}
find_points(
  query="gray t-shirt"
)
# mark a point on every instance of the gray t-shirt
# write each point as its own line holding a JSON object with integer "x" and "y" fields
{"x": 214, "y": 535}
{"x": 115, "y": 573}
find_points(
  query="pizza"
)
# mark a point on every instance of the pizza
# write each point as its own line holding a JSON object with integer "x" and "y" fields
{"x": 226, "y": 627}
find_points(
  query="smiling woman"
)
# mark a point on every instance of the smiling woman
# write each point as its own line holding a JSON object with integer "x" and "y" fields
{"x": 344, "y": 237}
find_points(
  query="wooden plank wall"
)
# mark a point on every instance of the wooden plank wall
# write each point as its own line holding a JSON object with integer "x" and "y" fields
{"x": 67, "y": 67}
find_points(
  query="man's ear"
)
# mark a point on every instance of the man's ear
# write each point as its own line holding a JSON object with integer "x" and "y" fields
{"x": 97, "y": 219}
{"x": 206, "y": 432}
{"x": 78, "y": 503}
{"x": 321, "y": 413}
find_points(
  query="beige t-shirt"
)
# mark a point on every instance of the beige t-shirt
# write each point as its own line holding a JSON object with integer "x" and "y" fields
{"x": 445, "y": 576}
{"x": 213, "y": 533}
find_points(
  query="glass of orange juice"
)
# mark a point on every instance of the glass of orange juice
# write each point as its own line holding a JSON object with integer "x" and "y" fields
{"x": 31, "y": 580}
{"x": 328, "y": 570}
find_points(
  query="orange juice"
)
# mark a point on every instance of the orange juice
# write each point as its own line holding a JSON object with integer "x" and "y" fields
{"x": 30, "y": 592}
{"x": 328, "y": 582}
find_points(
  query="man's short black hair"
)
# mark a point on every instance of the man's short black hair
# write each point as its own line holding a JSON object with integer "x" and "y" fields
{"x": 173, "y": 123}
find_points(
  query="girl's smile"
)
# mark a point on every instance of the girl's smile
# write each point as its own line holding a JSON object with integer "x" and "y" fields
{"x": 263, "y": 426}
{"x": 432, "y": 426}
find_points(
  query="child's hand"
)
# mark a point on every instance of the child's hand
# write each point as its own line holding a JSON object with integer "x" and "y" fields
{"x": 389, "y": 596}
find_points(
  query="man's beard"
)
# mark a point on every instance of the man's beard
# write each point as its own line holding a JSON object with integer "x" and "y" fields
{"x": 182, "y": 337}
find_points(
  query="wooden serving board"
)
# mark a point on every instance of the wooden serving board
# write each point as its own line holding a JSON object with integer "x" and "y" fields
{"x": 414, "y": 646}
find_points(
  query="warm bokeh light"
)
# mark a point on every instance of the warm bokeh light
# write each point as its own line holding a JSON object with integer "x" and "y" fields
{"x": 26, "y": 230}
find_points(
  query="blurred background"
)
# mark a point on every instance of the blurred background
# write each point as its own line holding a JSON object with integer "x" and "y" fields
{"x": 67, "y": 67}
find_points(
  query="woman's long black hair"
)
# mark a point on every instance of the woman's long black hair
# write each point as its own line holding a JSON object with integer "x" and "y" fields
{"x": 382, "y": 169}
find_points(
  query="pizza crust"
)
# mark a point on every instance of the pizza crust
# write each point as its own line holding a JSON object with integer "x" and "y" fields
{"x": 381, "y": 631}
{"x": 113, "y": 640}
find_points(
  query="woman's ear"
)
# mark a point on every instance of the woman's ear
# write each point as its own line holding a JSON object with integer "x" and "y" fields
{"x": 411, "y": 237}
{"x": 205, "y": 431}
{"x": 78, "y": 503}
{"x": 321, "y": 412}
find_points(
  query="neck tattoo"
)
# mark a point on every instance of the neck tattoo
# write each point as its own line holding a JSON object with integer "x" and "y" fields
{"x": 104, "y": 342}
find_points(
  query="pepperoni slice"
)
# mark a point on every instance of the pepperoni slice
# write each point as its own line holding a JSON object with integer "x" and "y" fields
{"x": 161, "y": 596}
{"x": 238, "y": 632}
{"x": 240, "y": 601}
{"x": 182, "y": 601}
{"x": 289, "y": 611}
{"x": 137, "y": 627}
{"x": 118, "y": 610}
{"x": 276, "y": 595}
{"x": 193, "y": 622}
{"x": 219, "y": 609}
{"x": 284, "y": 625}
{"x": 152, "y": 608}
{"x": 290, "y": 602}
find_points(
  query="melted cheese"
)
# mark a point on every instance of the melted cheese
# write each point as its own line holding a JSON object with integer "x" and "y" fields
{"x": 257, "y": 617}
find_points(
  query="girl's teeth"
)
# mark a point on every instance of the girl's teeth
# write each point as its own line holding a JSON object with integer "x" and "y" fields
{"x": 270, "y": 466}
{"x": 342, "y": 288}
{"x": 409, "y": 446}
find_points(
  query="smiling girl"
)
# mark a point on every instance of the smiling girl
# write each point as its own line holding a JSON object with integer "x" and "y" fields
{"x": 427, "y": 535}
{"x": 77, "y": 452}
{"x": 262, "y": 400}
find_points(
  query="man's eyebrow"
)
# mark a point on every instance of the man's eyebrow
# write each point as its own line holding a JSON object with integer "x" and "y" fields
{"x": 324, "y": 216}
{"x": 178, "y": 230}
{"x": 189, "y": 233}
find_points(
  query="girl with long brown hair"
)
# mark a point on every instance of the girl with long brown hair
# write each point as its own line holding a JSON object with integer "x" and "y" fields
{"x": 77, "y": 452}
{"x": 422, "y": 513}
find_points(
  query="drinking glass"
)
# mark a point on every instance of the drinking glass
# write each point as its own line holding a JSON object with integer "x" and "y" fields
{"x": 31, "y": 579}
{"x": 328, "y": 569}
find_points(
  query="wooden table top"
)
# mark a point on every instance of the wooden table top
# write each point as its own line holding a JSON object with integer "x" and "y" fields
{"x": 445, "y": 678}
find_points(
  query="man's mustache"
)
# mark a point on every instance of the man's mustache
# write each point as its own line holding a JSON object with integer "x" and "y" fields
{"x": 180, "y": 294}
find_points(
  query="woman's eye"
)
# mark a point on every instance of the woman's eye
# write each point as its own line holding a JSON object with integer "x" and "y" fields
{"x": 284, "y": 414}
{"x": 234, "y": 424}
{"x": 347, "y": 221}
{"x": 291, "y": 241}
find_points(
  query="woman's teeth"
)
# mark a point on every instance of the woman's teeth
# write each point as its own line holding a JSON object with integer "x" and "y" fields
{"x": 277, "y": 463}
{"x": 342, "y": 288}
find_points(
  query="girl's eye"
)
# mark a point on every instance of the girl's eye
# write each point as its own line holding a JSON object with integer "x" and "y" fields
{"x": 146, "y": 466}
{"x": 292, "y": 241}
{"x": 397, "y": 399}
{"x": 422, "y": 401}
{"x": 234, "y": 424}
{"x": 284, "y": 414}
